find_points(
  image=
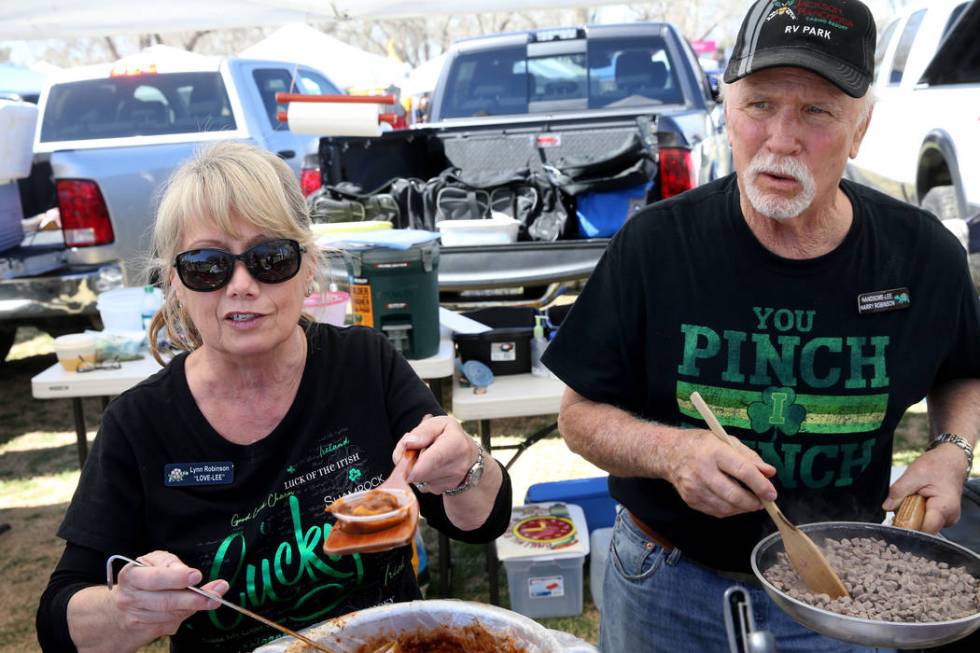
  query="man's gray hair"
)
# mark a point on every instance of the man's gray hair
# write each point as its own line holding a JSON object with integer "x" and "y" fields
{"x": 869, "y": 103}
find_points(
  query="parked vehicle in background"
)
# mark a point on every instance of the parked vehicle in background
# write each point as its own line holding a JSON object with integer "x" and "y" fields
{"x": 580, "y": 107}
{"x": 922, "y": 144}
{"x": 112, "y": 134}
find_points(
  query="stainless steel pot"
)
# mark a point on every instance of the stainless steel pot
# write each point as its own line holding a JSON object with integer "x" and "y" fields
{"x": 886, "y": 634}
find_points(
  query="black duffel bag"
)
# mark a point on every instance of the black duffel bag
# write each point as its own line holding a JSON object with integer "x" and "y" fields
{"x": 459, "y": 195}
{"x": 346, "y": 203}
{"x": 630, "y": 165}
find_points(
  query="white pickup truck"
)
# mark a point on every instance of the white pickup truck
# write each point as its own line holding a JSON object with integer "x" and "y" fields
{"x": 112, "y": 134}
{"x": 923, "y": 144}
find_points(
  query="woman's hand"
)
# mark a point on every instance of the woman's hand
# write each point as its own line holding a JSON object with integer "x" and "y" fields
{"x": 446, "y": 454}
{"x": 144, "y": 604}
{"x": 154, "y": 598}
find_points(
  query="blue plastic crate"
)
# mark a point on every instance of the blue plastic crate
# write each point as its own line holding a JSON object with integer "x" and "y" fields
{"x": 592, "y": 494}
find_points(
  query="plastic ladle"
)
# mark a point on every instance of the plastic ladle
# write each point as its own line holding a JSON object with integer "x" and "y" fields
{"x": 805, "y": 556}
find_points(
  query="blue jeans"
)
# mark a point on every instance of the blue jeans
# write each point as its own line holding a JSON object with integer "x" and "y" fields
{"x": 655, "y": 601}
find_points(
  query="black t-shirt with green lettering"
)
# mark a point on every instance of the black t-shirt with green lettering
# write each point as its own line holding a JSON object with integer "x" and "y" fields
{"x": 686, "y": 298}
{"x": 156, "y": 479}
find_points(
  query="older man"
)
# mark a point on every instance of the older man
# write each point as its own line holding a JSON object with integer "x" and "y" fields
{"x": 809, "y": 312}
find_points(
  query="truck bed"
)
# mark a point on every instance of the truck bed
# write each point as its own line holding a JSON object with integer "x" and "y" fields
{"x": 525, "y": 271}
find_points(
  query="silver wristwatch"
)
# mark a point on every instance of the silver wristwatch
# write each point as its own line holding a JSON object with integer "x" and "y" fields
{"x": 473, "y": 476}
{"x": 952, "y": 438}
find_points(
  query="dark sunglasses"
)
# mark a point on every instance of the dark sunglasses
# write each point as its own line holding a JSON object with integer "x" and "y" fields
{"x": 271, "y": 261}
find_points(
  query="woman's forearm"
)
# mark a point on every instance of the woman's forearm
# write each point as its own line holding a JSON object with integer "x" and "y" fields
{"x": 96, "y": 626}
{"x": 470, "y": 510}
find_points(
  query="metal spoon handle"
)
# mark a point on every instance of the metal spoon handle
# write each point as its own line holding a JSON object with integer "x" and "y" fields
{"x": 228, "y": 604}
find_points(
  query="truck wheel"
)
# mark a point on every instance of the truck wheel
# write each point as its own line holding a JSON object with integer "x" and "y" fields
{"x": 7, "y": 335}
{"x": 941, "y": 201}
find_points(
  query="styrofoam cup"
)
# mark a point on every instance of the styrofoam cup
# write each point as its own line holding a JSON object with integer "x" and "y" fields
{"x": 329, "y": 307}
{"x": 73, "y": 349}
{"x": 121, "y": 309}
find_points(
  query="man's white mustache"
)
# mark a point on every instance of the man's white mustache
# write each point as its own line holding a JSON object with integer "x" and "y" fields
{"x": 781, "y": 166}
{"x": 774, "y": 206}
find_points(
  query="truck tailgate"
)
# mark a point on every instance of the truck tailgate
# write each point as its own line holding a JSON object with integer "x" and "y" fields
{"x": 517, "y": 264}
{"x": 39, "y": 254}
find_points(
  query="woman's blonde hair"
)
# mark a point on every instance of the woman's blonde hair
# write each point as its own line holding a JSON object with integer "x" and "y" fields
{"x": 221, "y": 183}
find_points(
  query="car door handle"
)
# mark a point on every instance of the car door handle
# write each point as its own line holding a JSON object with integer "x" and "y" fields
{"x": 286, "y": 154}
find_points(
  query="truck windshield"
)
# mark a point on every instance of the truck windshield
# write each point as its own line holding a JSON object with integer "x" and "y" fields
{"x": 138, "y": 105}
{"x": 612, "y": 73}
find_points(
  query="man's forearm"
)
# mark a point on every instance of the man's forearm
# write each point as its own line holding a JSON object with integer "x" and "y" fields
{"x": 954, "y": 407}
{"x": 613, "y": 439}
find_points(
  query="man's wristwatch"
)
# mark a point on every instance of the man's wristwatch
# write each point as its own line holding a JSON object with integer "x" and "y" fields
{"x": 952, "y": 438}
{"x": 473, "y": 476}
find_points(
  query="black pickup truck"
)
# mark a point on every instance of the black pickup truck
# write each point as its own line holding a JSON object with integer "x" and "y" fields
{"x": 570, "y": 105}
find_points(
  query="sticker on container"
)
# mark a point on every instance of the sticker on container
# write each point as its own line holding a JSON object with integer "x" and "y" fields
{"x": 545, "y": 529}
{"x": 546, "y": 587}
{"x": 362, "y": 311}
{"x": 503, "y": 351}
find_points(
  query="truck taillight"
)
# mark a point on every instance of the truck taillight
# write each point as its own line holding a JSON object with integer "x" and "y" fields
{"x": 676, "y": 171}
{"x": 309, "y": 180}
{"x": 84, "y": 216}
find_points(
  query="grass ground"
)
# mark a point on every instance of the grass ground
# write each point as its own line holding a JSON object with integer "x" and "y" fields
{"x": 39, "y": 471}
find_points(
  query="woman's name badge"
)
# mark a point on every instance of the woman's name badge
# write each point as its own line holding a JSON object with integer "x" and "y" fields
{"x": 880, "y": 301}
{"x": 180, "y": 474}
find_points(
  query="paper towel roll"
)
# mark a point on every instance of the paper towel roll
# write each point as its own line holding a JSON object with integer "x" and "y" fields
{"x": 328, "y": 119}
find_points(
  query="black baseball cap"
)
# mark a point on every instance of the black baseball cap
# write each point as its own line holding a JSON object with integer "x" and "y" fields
{"x": 833, "y": 38}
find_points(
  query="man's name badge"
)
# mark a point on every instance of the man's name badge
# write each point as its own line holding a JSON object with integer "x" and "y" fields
{"x": 881, "y": 301}
{"x": 180, "y": 474}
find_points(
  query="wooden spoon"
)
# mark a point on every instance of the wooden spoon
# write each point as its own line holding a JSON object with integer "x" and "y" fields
{"x": 911, "y": 513}
{"x": 399, "y": 475}
{"x": 805, "y": 556}
{"x": 341, "y": 542}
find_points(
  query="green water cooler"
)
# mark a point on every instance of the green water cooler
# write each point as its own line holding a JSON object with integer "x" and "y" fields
{"x": 396, "y": 291}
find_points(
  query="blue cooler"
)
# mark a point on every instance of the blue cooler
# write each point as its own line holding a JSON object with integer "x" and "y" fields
{"x": 591, "y": 494}
{"x": 602, "y": 213}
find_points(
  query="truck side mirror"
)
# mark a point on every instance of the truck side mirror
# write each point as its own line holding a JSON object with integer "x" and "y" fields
{"x": 714, "y": 83}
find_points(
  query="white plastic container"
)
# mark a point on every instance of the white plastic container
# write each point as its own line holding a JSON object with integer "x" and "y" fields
{"x": 328, "y": 307}
{"x": 599, "y": 546}
{"x": 17, "y": 121}
{"x": 548, "y": 585}
{"x": 498, "y": 230}
{"x": 74, "y": 348}
{"x": 121, "y": 309}
{"x": 152, "y": 301}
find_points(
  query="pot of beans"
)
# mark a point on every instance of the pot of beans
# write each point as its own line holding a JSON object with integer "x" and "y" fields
{"x": 435, "y": 626}
{"x": 907, "y": 589}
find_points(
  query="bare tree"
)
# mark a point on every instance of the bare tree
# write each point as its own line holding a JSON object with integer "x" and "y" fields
{"x": 192, "y": 42}
{"x": 113, "y": 50}
{"x": 413, "y": 40}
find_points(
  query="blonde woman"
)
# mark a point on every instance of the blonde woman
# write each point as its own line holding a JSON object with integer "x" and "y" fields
{"x": 216, "y": 470}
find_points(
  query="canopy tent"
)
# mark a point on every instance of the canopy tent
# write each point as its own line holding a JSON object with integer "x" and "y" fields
{"x": 423, "y": 79}
{"x": 70, "y": 19}
{"x": 345, "y": 65}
